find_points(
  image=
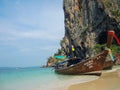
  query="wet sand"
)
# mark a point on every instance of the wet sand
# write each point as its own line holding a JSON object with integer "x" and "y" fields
{"x": 109, "y": 80}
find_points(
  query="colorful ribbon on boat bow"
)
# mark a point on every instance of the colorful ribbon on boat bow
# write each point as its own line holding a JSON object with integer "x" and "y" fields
{"x": 110, "y": 53}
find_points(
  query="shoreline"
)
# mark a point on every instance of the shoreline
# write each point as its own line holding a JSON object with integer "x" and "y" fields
{"x": 109, "y": 80}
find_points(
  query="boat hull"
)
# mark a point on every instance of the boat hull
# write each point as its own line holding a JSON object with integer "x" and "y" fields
{"x": 87, "y": 66}
{"x": 108, "y": 65}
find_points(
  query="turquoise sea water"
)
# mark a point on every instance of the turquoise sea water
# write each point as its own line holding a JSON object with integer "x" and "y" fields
{"x": 37, "y": 79}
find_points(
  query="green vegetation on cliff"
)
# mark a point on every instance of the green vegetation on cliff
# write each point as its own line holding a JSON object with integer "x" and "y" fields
{"x": 114, "y": 48}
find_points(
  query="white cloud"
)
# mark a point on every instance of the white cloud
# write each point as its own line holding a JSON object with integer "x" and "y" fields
{"x": 36, "y": 22}
{"x": 49, "y": 48}
{"x": 25, "y": 50}
{"x": 38, "y": 35}
{"x": 30, "y": 27}
{"x": 35, "y": 34}
{"x": 48, "y": 28}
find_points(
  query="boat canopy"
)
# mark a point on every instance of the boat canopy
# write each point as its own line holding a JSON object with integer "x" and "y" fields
{"x": 59, "y": 57}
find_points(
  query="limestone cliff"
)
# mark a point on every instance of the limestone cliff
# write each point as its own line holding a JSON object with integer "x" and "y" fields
{"x": 87, "y": 23}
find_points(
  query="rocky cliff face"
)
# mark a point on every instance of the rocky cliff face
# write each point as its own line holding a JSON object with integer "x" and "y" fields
{"x": 87, "y": 23}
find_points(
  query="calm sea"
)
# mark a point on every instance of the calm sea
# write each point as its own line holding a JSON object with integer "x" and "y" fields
{"x": 37, "y": 79}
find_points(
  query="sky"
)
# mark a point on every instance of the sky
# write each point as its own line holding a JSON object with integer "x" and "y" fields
{"x": 30, "y": 31}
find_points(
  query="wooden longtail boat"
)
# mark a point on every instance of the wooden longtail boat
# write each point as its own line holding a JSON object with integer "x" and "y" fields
{"x": 92, "y": 64}
{"x": 89, "y": 66}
